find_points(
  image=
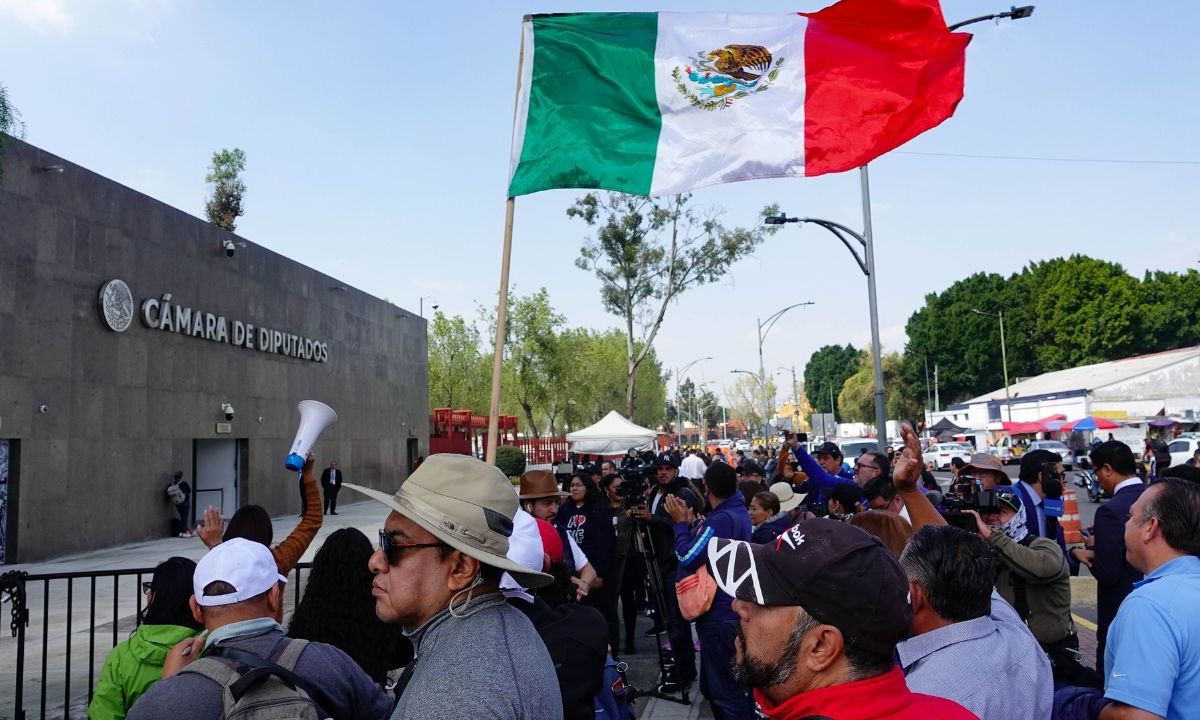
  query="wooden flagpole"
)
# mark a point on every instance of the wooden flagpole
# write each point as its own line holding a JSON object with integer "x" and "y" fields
{"x": 498, "y": 352}
{"x": 493, "y": 435}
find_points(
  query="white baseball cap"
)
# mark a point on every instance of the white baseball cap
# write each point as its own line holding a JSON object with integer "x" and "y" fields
{"x": 525, "y": 548}
{"x": 246, "y": 565}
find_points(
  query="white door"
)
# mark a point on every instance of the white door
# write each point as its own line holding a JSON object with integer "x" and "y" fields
{"x": 216, "y": 476}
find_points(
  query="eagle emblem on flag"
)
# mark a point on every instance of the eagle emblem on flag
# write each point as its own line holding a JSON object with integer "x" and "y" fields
{"x": 713, "y": 80}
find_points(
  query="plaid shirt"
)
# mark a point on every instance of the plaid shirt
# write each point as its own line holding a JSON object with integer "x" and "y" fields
{"x": 991, "y": 665}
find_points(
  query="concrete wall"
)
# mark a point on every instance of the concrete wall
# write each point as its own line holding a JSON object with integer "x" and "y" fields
{"x": 123, "y": 409}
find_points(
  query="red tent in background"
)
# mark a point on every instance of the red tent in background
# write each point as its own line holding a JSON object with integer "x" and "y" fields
{"x": 1030, "y": 428}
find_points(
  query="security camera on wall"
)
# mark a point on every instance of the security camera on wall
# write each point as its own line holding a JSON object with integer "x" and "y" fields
{"x": 227, "y": 409}
{"x": 230, "y": 249}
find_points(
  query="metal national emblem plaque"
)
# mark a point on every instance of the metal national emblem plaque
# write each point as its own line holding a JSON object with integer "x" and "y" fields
{"x": 116, "y": 305}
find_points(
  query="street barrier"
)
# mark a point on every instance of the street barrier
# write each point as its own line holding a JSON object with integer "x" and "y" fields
{"x": 48, "y": 640}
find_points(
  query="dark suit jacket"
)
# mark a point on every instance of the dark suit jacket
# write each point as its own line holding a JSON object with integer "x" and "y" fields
{"x": 1031, "y": 524}
{"x": 341, "y": 477}
{"x": 1114, "y": 575}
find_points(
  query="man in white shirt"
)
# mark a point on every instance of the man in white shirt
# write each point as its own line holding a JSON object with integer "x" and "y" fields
{"x": 692, "y": 467}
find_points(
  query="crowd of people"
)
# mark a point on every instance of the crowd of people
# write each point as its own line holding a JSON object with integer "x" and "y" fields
{"x": 788, "y": 584}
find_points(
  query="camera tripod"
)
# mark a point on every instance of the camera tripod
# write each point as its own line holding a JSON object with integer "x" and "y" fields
{"x": 668, "y": 670}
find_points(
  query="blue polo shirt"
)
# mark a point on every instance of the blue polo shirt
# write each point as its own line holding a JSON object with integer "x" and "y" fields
{"x": 1153, "y": 653}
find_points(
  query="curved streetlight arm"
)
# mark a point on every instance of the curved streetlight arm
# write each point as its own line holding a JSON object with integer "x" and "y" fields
{"x": 765, "y": 326}
{"x": 757, "y": 379}
{"x": 1014, "y": 12}
{"x": 839, "y": 231}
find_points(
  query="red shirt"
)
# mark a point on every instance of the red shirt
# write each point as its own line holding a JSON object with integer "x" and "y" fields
{"x": 885, "y": 697}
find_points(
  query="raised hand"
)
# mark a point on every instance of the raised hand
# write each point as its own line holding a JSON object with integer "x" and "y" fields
{"x": 906, "y": 468}
{"x": 213, "y": 529}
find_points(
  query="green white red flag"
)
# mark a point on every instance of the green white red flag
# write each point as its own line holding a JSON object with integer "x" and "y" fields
{"x": 656, "y": 103}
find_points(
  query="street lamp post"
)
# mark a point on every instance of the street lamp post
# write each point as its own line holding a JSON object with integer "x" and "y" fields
{"x": 1014, "y": 12}
{"x": 866, "y": 263}
{"x": 678, "y": 409}
{"x": 764, "y": 327}
{"x": 1003, "y": 356}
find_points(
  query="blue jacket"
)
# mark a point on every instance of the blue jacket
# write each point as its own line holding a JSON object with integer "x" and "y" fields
{"x": 771, "y": 529}
{"x": 819, "y": 481}
{"x": 729, "y": 520}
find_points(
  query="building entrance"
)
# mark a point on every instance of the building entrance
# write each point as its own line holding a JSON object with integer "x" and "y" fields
{"x": 220, "y": 474}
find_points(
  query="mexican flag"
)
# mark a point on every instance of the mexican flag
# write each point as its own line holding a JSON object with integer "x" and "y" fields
{"x": 658, "y": 103}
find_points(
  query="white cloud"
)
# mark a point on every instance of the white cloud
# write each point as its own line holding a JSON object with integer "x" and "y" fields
{"x": 41, "y": 15}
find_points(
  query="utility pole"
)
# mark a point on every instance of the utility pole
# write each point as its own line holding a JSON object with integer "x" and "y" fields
{"x": 764, "y": 327}
{"x": 937, "y": 401}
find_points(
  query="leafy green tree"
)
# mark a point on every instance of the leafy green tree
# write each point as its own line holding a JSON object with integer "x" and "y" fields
{"x": 1170, "y": 308}
{"x": 829, "y": 367}
{"x": 857, "y": 398}
{"x": 532, "y": 359}
{"x": 964, "y": 344}
{"x": 646, "y": 252}
{"x": 1082, "y": 311}
{"x": 510, "y": 460}
{"x": 224, "y": 206}
{"x": 10, "y": 122}
{"x": 458, "y": 370}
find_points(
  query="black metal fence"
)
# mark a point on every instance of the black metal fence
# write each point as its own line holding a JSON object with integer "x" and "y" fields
{"x": 52, "y": 634}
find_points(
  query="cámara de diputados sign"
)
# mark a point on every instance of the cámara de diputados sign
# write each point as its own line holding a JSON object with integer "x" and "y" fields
{"x": 116, "y": 307}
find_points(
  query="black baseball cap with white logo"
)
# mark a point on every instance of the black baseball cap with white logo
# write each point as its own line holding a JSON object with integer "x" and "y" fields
{"x": 828, "y": 448}
{"x": 839, "y": 574}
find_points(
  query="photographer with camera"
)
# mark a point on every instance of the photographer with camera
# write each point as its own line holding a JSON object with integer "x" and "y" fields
{"x": 662, "y": 535}
{"x": 1033, "y": 577}
{"x": 629, "y": 571}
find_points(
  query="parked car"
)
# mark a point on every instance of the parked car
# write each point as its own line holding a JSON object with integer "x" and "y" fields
{"x": 942, "y": 453}
{"x": 854, "y": 447}
{"x": 1182, "y": 449}
{"x": 742, "y": 444}
{"x": 1064, "y": 453}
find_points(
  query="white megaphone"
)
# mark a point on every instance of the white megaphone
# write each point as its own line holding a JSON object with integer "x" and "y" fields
{"x": 314, "y": 418}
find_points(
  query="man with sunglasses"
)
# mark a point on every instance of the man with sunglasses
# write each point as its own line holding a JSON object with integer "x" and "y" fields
{"x": 437, "y": 573}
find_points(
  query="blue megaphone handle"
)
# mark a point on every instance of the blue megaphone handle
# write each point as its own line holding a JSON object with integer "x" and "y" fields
{"x": 294, "y": 462}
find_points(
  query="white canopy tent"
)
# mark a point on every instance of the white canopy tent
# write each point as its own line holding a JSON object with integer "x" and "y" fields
{"x": 613, "y": 435}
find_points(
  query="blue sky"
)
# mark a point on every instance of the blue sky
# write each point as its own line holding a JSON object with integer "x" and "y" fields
{"x": 377, "y": 137}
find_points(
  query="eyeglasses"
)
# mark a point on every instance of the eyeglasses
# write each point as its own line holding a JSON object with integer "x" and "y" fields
{"x": 858, "y": 465}
{"x": 147, "y": 586}
{"x": 392, "y": 549}
{"x": 576, "y": 486}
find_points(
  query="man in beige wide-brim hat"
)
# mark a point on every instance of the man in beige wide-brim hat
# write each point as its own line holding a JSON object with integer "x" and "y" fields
{"x": 442, "y": 552}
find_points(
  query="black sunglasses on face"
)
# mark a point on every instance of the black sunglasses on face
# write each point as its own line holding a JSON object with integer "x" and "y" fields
{"x": 392, "y": 549}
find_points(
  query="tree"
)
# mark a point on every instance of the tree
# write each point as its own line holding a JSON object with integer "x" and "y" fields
{"x": 828, "y": 368}
{"x": 746, "y": 401}
{"x": 1170, "y": 305}
{"x": 458, "y": 370}
{"x": 224, "y": 206}
{"x": 857, "y": 398}
{"x": 1082, "y": 311}
{"x": 965, "y": 345}
{"x": 646, "y": 252}
{"x": 10, "y": 122}
{"x": 531, "y": 353}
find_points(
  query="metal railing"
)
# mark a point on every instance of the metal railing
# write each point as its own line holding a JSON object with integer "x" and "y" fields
{"x": 67, "y": 632}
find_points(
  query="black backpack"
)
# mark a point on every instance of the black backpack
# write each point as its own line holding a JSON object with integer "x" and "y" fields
{"x": 258, "y": 689}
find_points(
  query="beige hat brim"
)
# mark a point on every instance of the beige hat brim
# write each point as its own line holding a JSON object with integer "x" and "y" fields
{"x": 528, "y": 578}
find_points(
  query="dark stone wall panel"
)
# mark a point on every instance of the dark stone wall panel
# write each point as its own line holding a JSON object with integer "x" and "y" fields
{"x": 124, "y": 409}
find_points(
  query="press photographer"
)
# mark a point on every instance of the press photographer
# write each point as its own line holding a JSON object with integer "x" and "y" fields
{"x": 662, "y": 535}
{"x": 1032, "y": 575}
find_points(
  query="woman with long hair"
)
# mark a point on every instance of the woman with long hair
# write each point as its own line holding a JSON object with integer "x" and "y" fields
{"x": 338, "y": 608}
{"x": 588, "y": 520}
{"x": 889, "y": 527}
{"x": 136, "y": 664}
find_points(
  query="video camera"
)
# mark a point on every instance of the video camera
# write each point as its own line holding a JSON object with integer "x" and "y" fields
{"x": 967, "y": 494}
{"x": 632, "y": 487}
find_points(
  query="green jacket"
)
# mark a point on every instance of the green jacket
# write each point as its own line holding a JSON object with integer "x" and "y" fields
{"x": 132, "y": 667}
{"x": 1040, "y": 564}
